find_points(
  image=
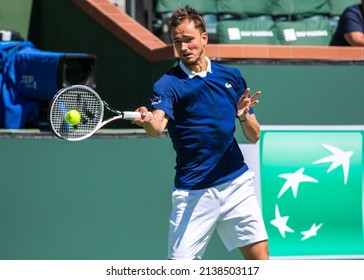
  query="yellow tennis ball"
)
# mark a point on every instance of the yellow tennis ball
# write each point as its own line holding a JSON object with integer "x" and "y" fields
{"x": 73, "y": 117}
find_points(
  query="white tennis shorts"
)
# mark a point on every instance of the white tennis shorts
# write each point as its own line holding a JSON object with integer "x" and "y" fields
{"x": 231, "y": 208}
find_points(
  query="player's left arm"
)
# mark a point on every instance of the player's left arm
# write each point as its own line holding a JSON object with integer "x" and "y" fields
{"x": 251, "y": 128}
{"x": 248, "y": 122}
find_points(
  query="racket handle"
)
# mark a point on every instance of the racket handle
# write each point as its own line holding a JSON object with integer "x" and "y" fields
{"x": 129, "y": 115}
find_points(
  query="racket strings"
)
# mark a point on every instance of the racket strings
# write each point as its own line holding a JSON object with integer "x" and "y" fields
{"x": 86, "y": 102}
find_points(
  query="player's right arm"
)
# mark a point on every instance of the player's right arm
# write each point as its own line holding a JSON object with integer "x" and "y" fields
{"x": 154, "y": 123}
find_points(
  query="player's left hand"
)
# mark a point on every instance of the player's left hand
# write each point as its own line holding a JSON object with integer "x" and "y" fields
{"x": 245, "y": 103}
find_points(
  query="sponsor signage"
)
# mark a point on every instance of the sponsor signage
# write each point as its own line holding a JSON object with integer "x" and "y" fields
{"x": 311, "y": 184}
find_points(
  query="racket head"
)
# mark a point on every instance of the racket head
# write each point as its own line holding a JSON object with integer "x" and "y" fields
{"x": 80, "y": 98}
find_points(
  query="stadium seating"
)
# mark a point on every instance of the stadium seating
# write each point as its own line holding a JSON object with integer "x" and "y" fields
{"x": 294, "y": 8}
{"x": 208, "y": 8}
{"x": 314, "y": 32}
{"x": 203, "y": 6}
{"x": 287, "y": 22}
{"x": 241, "y": 9}
{"x": 248, "y": 31}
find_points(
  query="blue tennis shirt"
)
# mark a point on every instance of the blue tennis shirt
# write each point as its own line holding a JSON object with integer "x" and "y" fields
{"x": 202, "y": 113}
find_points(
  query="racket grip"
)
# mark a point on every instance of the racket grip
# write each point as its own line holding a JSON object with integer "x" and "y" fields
{"x": 129, "y": 115}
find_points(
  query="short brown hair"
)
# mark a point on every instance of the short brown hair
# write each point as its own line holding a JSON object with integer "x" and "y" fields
{"x": 181, "y": 14}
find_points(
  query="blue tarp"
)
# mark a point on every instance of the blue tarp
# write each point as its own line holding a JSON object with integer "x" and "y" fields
{"x": 15, "y": 108}
{"x": 27, "y": 76}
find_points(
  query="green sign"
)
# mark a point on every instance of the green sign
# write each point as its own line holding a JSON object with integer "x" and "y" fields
{"x": 312, "y": 192}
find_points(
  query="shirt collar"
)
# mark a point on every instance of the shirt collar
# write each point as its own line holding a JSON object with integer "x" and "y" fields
{"x": 192, "y": 74}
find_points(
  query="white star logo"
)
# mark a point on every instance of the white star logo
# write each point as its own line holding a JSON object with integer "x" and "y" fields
{"x": 334, "y": 158}
{"x": 338, "y": 157}
{"x": 311, "y": 232}
{"x": 281, "y": 223}
{"x": 293, "y": 180}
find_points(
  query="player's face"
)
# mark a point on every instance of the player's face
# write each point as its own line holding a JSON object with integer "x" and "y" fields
{"x": 190, "y": 44}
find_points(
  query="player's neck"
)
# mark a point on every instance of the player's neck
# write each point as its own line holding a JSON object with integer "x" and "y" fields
{"x": 199, "y": 66}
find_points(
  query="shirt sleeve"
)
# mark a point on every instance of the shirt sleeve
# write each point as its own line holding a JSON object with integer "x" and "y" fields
{"x": 352, "y": 21}
{"x": 162, "y": 101}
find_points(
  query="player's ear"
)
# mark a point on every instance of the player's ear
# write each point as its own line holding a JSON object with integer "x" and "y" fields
{"x": 204, "y": 38}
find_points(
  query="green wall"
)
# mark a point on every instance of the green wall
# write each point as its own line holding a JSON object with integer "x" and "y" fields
{"x": 307, "y": 92}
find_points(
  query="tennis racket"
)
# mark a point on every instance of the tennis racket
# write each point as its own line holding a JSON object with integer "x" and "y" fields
{"x": 91, "y": 111}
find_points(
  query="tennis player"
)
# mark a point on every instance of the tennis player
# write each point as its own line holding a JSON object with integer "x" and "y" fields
{"x": 198, "y": 101}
